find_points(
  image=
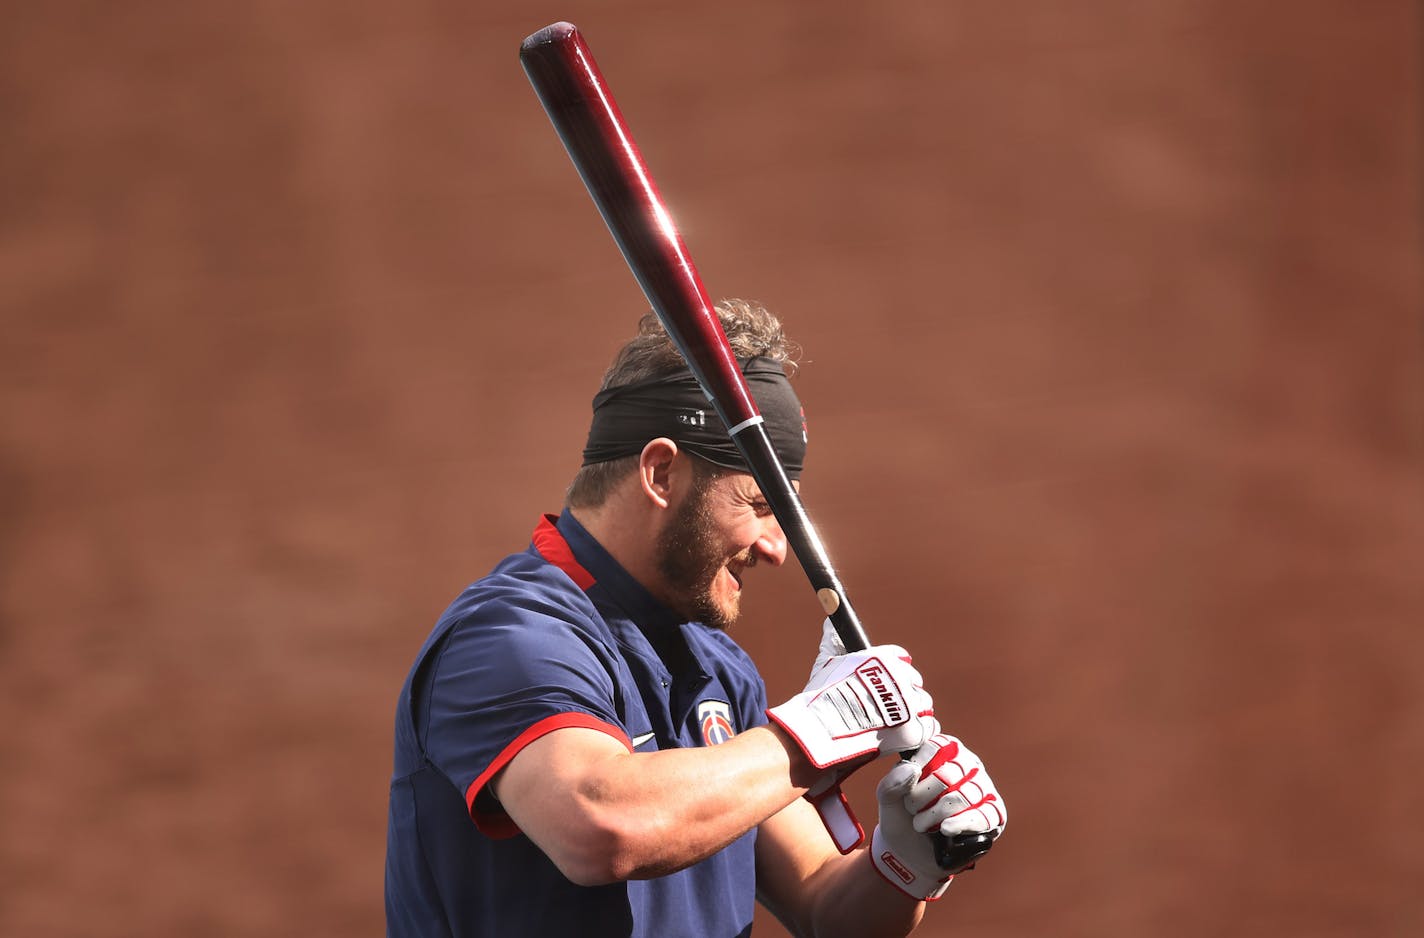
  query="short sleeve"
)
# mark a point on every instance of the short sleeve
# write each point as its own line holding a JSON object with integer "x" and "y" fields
{"x": 511, "y": 669}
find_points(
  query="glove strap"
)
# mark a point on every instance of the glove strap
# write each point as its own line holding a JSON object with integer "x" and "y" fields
{"x": 835, "y": 812}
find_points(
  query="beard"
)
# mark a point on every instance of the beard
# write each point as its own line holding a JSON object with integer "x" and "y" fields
{"x": 690, "y": 558}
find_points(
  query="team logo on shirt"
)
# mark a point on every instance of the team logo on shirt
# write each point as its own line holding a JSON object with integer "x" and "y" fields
{"x": 715, "y": 718}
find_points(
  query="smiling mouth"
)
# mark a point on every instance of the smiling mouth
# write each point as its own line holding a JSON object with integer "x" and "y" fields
{"x": 738, "y": 565}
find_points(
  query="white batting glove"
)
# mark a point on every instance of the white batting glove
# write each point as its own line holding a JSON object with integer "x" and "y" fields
{"x": 943, "y": 788}
{"x": 857, "y": 705}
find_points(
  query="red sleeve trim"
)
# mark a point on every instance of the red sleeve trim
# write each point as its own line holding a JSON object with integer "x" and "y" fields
{"x": 499, "y": 826}
{"x": 552, "y": 547}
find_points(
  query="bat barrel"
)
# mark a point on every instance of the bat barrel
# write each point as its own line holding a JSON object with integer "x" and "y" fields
{"x": 583, "y": 111}
{"x": 572, "y": 90}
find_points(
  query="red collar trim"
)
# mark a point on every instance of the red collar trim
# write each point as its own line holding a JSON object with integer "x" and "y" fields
{"x": 552, "y": 547}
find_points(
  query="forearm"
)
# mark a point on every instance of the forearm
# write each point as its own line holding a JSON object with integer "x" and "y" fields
{"x": 622, "y": 815}
{"x": 851, "y": 899}
{"x": 817, "y": 892}
{"x": 680, "y": 806}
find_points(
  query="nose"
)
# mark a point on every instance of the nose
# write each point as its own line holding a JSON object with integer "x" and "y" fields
{"x": 771, "y": 545}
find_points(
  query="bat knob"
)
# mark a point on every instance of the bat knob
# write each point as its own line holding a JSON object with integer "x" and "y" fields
{"x": 961, "y": 853}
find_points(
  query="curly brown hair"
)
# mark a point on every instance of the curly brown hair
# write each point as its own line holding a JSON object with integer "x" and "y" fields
{"x": 752, "y": 331}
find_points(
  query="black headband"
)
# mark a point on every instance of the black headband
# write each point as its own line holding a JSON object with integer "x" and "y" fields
{"x": 626, "y": 418}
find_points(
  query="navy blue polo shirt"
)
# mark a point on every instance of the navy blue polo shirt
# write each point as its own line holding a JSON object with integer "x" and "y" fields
{"x": 556, "y": 636}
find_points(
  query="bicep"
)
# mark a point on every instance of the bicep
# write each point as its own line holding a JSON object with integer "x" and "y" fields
{"x": 545, "y": 780}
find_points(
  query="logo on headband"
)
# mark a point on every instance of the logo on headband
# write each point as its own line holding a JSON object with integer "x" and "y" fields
{"x": 626, "y": 417}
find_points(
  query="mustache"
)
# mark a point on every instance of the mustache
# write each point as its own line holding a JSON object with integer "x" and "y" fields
{"x": 743, "y": 561}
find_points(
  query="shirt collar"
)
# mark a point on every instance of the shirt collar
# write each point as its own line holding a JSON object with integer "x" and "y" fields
{"x": 618, "y": 584}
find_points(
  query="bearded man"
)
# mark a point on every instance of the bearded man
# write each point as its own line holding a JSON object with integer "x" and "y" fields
{"x": 582, "y": 748}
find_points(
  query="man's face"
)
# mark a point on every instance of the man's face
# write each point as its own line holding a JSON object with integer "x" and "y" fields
{"x": 720, "y": 528}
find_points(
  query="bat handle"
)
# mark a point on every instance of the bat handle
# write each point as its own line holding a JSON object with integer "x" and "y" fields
{"x": 960, "y": 853}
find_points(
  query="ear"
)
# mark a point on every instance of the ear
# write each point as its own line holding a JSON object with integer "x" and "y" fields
{"x": 655, "y": 470}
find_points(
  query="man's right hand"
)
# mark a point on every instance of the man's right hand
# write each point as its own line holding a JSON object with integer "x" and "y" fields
{"x": 857, "y": 705}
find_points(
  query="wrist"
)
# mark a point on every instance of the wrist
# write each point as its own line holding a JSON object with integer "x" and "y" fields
{"x": 894, "y": 869}
{"x": 802, "y": 773}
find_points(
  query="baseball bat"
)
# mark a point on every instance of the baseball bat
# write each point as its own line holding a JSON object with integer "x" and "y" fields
{"x": 578, "y": 102}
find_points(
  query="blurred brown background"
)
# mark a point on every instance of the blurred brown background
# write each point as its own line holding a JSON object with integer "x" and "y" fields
{"x": 1116, "y": 391}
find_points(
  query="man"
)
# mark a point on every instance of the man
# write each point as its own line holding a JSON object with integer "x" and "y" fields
{"x": 581, "y": 748}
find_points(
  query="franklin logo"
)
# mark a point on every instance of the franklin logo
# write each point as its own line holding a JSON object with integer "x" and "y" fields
{"x": 887, "y": 695}
{"x": 715, "y": 718}
{"x": 890, "y": 860}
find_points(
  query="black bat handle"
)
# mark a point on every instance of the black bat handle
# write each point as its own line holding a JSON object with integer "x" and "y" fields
{"x": 960, "y": 853}
{"x": 952, "y": 855}
{"x": 755, "y": 446}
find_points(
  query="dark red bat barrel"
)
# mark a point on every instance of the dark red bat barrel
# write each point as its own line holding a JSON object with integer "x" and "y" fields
{"x": 571, "y": 88}
{"x": 583, "y": 111}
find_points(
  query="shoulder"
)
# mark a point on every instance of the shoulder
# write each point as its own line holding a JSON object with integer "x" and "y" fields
{"x": 524, "y": 586}
{"x": 528, "y": 576}
{"x": 524, "y": 608}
